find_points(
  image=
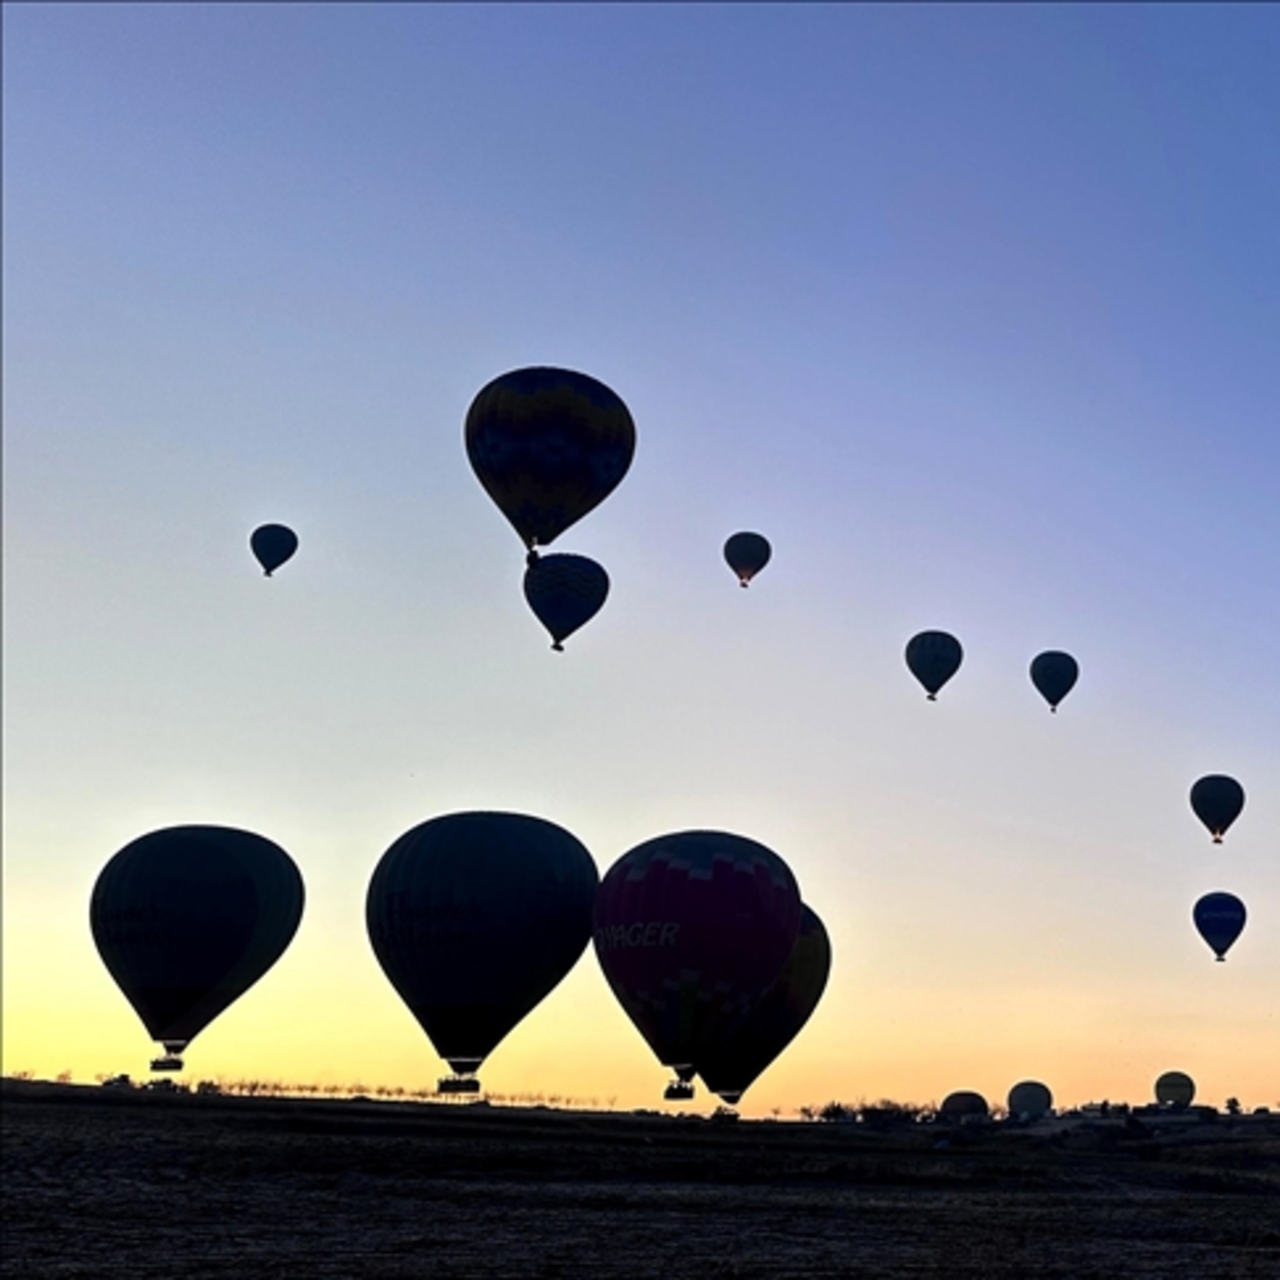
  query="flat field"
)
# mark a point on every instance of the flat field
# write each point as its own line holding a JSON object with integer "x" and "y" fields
{"x": 100, "y": 1182}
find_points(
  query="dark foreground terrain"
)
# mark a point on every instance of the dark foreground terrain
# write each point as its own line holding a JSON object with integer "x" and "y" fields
{"x": 106, "y": 1183}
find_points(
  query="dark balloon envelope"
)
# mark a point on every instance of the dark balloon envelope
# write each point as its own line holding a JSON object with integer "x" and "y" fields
{"x": 564, "y": 592}
{"x": 691, "y": 929}
{"x": 1217, "y": 801}
{"x": 272, "y": 545}
{"x": 187, "y": 919}
{"x": 548, "y": 445}
{"x": 1219, "y": 919}
{"x": 1175, "y": 1089}
{"x": 933, "y": 657}
{"x": 746, "y": 554}
{"x": 1054, "y": 674}
{"x": 733, "y": 1064}
{"x": 475, "y": 918}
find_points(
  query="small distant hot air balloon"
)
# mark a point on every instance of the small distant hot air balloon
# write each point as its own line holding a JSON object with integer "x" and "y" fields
{"x": 691, "y": 929}
{"x": 1219, "y": 919}
{"x": 1054, "y": 674}
{"x": 272, "y": 545}
{"x": 1175, "y": 1089}
{"x": 746, "y": 554}
{"x": 1029, "y": 1100}
{"x": 187, "y": 919}
{"x": 933, "y": 658}
{"x": 548, "y": 445}
{"x": 964, "y": 1105}
{"x": 1217, "y": 801}
{"x": 475, "y": 918}
{"x": 731, "y": 1067}
{"x": 564, "y": 592}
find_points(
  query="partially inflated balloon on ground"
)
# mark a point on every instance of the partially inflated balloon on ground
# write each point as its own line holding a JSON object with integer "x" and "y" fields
{"x": 272, "y": 545}
{"x": 1029, "y": 1100}
{"x": 769, "y": 1027}
{"x": 1054, "y": 674}
{"x": 746, "y": 554}
{"x": 475, "y": 918}
{"x": 1217, "y": 801}
{"x": 548, "y": 445}
{"x": 1219, "y": 919}
{"x": 691, "y": 929}
{"x": 187, "y": 919}
{"x": 1175, "y": 1089}
{"x": 933, "y": 657}
{"x": 565, "y": 592}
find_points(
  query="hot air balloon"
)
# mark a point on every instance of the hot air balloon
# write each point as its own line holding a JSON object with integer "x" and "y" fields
{"x": 1219, "y": 919}
{"x": 1175, "y": 1089}
{"x": 1217, "y": 801}
{"x": 272, "y": 544}
{"x": 187, "y": 919}
{"x": 746, "y": 554}
{"x": 1029, "y": 1100}
{"x": 1054, "y": 674}
{"x": 964, "y": 1105}
{"x": 933, "y": 657}
{"x": 548, "y": 445}
{"x": 691, "y": 929}
{"x": 776, "y": 1019}
{"x": 564, "y": 591}
{"x": 475, "y": 917}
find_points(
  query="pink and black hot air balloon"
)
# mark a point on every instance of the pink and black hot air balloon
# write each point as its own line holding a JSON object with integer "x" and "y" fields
{"x": 691, "y": 929}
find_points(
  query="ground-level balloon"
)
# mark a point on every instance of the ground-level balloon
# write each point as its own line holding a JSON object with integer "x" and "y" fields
{"x": 1054, "y": 674}
{"x": 1219, "y": 919}
{"x": 272, "y": 545}
{"x": 746, "y": 554}
{"x": 933, "y": 657}
{"x": 732, "y": 1065}
{"x": 691, "y": 929}
{"x": 1217, "y": 801}
{"x": 565, "y": 592}
{"x": 475, "y": 918}
{"x": 1175, "y": 1089}
{"x": 187, "y": 919}
{"x": 548, "y": 445}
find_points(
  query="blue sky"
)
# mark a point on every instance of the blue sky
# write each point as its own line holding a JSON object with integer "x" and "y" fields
{"x": 970, "y": 309}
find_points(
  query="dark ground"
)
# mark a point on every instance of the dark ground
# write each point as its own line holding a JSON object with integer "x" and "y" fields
{"x": 104, "y": 1183}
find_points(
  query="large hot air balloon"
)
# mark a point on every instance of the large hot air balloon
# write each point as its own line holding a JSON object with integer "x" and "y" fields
{"x": 1054, "y": 674}
{"x": 548, "y": 445}
{"x": 475, "y": 917}
{"x": 1219, "y": 919}
{"x": 1217, "y": 801}
{"x": 272, "y": 545}
{"x": 746, "y": 554}
{"x": 690, "y": 930}
{"x": 1029, "y": 1100}
{"x": 933, "y": 657}
{"x": 775, "y": 1020}
{"x": 564, "y": 592}
{"x": 187, "y": 919}
{"x": 1175, "y": 1089}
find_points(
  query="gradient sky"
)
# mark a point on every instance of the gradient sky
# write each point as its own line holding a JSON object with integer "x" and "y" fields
{"x": 971, "y": 310}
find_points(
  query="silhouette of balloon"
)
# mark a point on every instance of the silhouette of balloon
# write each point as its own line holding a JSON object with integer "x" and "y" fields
{"x": 564, "y": 592}
{"x": 933, "y": 658}
{"x": 1029, "y": 1100}
{"x": 475, "y": 918}
{"x": 272, "y": 545}
{"x": 733, "y": 1064}
{"x": 187, "y": 919}
{"x": 963, "y": 1105}
{"x": 690, "y": 930}
{"x": 1054, "y": 674}
{"x": 1217, "y": 801}
{"x": 1219, "y": 919}
{"x": 1175, "y": 1089}
{"x": 548, "y": 445}
{"x": 747, "y": 554}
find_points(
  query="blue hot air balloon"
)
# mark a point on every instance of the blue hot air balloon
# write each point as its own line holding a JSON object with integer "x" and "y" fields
{"x": 1219, "y": 919}
{"x": 564, "y": 592}
{"x": 272, "y": 545}
{"x": 746, "y": 554}
{"x": 933, "y": 657}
